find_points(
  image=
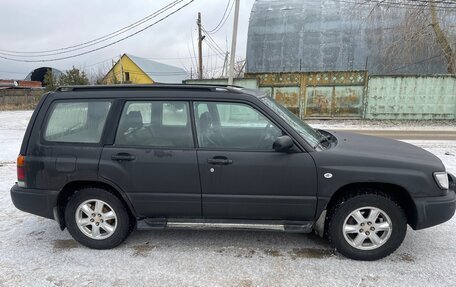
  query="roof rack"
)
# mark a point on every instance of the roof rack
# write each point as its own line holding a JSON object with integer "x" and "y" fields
{"x": 201, "y": 87}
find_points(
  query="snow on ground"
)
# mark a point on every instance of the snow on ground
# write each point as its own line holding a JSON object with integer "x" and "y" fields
{"x": 12, "y": 128}
{"x": 34, "y": 252}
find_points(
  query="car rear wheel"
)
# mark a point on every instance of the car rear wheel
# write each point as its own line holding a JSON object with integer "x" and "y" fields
{"x": 97, "y": 219}
{"x": 367, "y": 226}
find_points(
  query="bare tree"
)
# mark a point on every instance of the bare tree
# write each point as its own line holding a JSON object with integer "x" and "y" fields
{"x": 221, "y": 71}
{"x": 239, "y": 68}
{"x": 97, "y": 77}
{"x": 422, "y": 33}
{"x": 443, "y": 38}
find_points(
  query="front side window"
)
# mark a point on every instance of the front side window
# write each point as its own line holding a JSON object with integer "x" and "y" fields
{"x": 77, "y": 122}
{"x": 304, "y": 130}
{"x": 155, "y": 124}
{"x": 233, "y": 126}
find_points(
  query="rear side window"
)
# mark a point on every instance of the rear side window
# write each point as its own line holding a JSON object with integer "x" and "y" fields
{"x": 164, "y": 124}
{"x": 175, "y": 114}
{"x": 77, "y": 122}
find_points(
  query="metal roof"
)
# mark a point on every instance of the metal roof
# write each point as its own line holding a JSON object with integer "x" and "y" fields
{"x": 334, "y": 35}
{"x": 159, "y": 72}
{"x": 40, "y": 72}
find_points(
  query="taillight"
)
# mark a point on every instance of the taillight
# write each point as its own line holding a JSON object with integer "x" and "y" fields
{"x": 21, "y": 170}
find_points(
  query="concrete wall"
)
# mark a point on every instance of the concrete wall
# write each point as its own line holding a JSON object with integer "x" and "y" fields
{"x": 411, "y": 97}
{"x": 381, "y": 97}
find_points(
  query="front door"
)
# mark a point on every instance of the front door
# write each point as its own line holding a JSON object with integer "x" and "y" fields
{"x": 242, "y": 177}
{"x": 154, "y": 161}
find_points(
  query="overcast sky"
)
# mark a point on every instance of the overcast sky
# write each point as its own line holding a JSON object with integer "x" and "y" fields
{"x": 30, "y": 25}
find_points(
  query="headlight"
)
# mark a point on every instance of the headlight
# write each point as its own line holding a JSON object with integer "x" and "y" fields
{"x": 442, "y": 179}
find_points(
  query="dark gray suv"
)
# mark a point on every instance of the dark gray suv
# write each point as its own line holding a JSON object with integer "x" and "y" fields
{"x": 105, "y": 160}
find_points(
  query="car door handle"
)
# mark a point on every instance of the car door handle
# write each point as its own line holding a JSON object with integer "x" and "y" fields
{"x": 219, "y": 161}
{"x": 123, "y": 157}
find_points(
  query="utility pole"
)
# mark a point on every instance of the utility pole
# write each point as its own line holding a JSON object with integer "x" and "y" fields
{"x": 200, "y": 48}
{"x": 233, "y": 43}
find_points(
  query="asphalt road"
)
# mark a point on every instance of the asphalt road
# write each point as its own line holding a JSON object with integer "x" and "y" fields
{"x": 410, "y": 134}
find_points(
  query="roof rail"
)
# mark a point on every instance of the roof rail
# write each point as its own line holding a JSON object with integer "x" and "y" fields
{"x": 200, "y": 87}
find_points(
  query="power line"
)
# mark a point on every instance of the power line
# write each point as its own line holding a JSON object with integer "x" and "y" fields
{"x": 193, "y": 60}
{"x": 223, "y": 19}
{"x": 401, "y": 5}
{"x": 19, "y": 73}
{"x": 166, "y": 58}
{"x": 411, "y": 64}
{"x": 215, "y": 49}
{"x": 102, "y": 47}
{"x": 181, "y": 58}
{"x": 103, "y": 61}
{"x": 158, "y": 73}
{"x": 216, "y": 46}
{"x": 226, "y": 19}
{"x": 435, "y": 1}
{"x": 94, "y": 41}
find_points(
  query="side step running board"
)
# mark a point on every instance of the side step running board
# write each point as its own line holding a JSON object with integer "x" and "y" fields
{"x": 211, "y": 224}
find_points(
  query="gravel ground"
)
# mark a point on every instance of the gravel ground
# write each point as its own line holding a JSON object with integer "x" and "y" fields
{"x": 34, "y": 252}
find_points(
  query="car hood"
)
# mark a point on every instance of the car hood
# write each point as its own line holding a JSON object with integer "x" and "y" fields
{"x": 383, "y": 151}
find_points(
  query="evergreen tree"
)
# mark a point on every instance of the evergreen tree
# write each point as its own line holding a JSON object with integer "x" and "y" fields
{"x": 50, "y": 81}
{"x": 74, "y": 77}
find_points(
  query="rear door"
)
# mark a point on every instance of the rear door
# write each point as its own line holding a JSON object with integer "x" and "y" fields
{"x": 153, "y": 159}
{"x": 242, "y": 177}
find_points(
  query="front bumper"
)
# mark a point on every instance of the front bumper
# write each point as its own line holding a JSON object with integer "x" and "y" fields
{"x": 36, "y": 201}
{"x": 431, "y": 211}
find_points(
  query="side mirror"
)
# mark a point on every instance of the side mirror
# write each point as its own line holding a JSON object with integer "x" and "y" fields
{"x": 283, "y": 144}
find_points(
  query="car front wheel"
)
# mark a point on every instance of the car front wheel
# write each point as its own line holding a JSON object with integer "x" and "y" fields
{"x": 367, "y": 226}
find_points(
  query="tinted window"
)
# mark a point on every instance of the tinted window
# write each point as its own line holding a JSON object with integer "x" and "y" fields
{"x": 155, "y": 124}
{"x": 307, "y": 132}
{"x": 77, "y": 122}
{"x": 234, "y": 126}
{"x": 236, "y": 115}
{"x": 145, "y": 109}
{"x": 175, "y": 114}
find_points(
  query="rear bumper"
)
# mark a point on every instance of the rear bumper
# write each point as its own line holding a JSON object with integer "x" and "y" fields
{"x": 431, "y": 211}
{"x": 36, "y": 201}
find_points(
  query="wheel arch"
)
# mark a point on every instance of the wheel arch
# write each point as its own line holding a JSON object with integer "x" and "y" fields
{"x": 396, "y": 192}
{"x": 72, "y": 187}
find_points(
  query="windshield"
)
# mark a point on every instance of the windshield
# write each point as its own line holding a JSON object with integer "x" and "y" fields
{"x": 304, "y": 130}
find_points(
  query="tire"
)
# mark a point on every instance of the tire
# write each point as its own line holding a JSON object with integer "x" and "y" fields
{"x": 362, "y": 238}
{"x": 95, "y": 231}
